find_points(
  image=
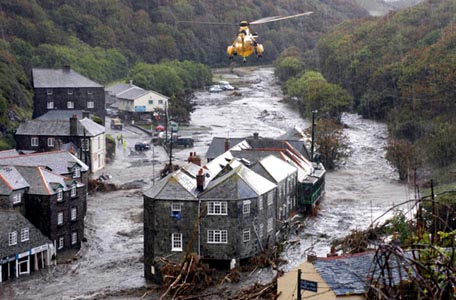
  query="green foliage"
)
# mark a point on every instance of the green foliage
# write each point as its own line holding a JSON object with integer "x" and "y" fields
{"x": 400, "y": 68}
{"x": 402, "y": 155}
{"x": 315, "y": 93}
{"x": 331, "y": 142}
{"x": 288, "y": 67}
{"x": 171, "y": 77}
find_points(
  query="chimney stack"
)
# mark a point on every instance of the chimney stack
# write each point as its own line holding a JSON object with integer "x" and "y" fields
{"x": 193, "y": 158}
{"x": 255, "y": 135}
{"x": 66, "y": 68}
{"x": 200, "y": 179}
{"x": 227, "y": 144}
{"x": 73, "y": 125}
{"x": 131, "y": 83}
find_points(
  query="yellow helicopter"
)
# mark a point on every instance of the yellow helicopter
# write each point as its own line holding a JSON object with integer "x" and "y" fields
{"x": 245, "y": 44}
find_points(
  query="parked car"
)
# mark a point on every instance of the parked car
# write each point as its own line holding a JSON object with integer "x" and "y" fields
{"x": 142, "y": 146}
{"x": 226, "y": 86}
{"x": 185, "y": 141}
{"x": 116, "y": 123}
{"x": 215, "y": 89}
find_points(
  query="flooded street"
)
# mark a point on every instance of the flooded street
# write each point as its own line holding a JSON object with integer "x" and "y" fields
{"x": 111, "y": 263}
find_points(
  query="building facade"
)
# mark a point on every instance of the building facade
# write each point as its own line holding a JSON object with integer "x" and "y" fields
{"x": 52, "y": 130}
{"x": 65, "y": 89}
{"x": 23, "y": 248}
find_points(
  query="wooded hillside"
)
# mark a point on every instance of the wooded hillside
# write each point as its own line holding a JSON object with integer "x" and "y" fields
{"x": 104, "y": 39}
{"x": 401, "y": 68}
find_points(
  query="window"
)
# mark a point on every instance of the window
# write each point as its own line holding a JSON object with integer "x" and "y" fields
{"x": 270, "y": 199}
{"x": 217, "y": 208}
{"x": 24, "y": 234}
{"x": 50, "y": 142}
{"x": 217, "y": 237}
{"x": 246, "y": 235}
{"x": 61, "y": 242}
{"x": 260, "y": 203}
{"x": 74, "y": 237}
{"x": 60, "y": 218}
{"x": 261, "y": 230}
{"x": 17, "y": 198}
{"x": 12, "y": 238}
{"x": 34, "y": 142}
{"x": 50, "y": 105}
{"x": 74, "y": 213}
{"x": 90, "y": 104}
{"x": 49, "y": 92}
{"x": 151, "y": 102}
{"x": 89, "y": 92}
{"x": 176, "y": 210}
{"x": 270, "y": 224}
{"x": 176, "y": 242}
{"x": 73, "y": 190}
{"x": 246, "y": 207}
{"x": 77, "y": 172}
{"x": 59, "y": 194}
{"x": 70, "y": 104}
{"x": 70, "y": 92}
{"x": 160, "y": 101}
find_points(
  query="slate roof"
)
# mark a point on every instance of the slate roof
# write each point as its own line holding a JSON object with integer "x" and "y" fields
{"x": 48, "y": 127}
{"x": 237, "y": 184}
{"x": 217, "y": 145}
{"x": 11, "y": 180}
{"x": 43, "y": 181}
{"x": 277, "y": 168}
{"x": 179, "y": 185}
{"x": 119, "y": 88}
{"x": 60, "y": 162}
{"x": 61, "y": 115}
{"x": 349, "y": 274}
{"x": 11, "y": 220}
{"x": 132, "y": 93}
{"x": 61, "y": 78}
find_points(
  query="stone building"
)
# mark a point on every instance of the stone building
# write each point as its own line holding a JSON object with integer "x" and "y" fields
{"x": 23, "y": 248}
{"x": 54, "y": 129}
{"x": 65, "y": 89}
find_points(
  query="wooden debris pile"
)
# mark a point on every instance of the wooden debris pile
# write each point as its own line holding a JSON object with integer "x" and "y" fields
{"x": 258, "y": 291}
{"x": 192, "y": 276}
{"x": 95, "y": 185}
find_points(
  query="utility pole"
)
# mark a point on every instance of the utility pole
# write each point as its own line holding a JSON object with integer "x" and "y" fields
{"x": 434, "y": 225}
{"x": 313, "y": 136}
{"x": 299, "y": 285}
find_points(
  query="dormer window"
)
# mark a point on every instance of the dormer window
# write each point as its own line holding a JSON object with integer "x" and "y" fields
{"x": 24, "y": 234}
{"x": 77, "y": 172}
{"x": 59, "y": 194}
{"x": 73, "y": 190}
{"x": 17, "y": 198}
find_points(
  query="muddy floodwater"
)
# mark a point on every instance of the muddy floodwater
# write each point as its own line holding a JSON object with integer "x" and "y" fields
{"x": 110, "y": 266}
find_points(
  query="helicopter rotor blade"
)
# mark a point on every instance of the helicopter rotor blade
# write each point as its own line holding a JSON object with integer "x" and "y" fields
{"x": 279, "y": 18}
{"x": 207, "y": 23}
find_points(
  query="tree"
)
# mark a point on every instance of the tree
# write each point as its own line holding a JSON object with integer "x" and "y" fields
{"x": 401, "y": 154}
{"x": 331, "y": 142}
